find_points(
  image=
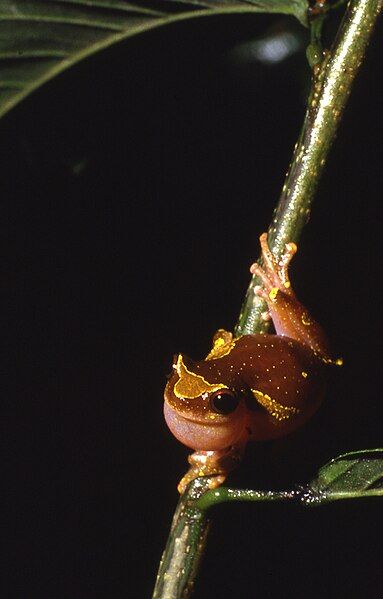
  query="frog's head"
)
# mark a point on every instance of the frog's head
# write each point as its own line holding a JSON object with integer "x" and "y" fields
{"x": 204, "y": 408}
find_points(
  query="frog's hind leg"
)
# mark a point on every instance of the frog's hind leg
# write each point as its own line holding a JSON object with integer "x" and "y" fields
{"x": 289, "y": 317}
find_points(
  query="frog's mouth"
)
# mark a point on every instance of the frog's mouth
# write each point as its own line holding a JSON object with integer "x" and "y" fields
{"x": 200, "y": 434}
{"x": 196, "y": 420}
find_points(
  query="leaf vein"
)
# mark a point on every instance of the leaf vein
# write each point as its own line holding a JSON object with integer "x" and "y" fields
{"x": 34, "y": 54}
{"x": 115, "y": 6}
{"x": 12, "y": 85}
{"x": 62, "y": 21}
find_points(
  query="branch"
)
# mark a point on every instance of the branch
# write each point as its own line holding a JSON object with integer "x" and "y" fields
{"x": 331, "y": 88}
{"x": 332, "y": 83}
{"x": 183, "y": 551}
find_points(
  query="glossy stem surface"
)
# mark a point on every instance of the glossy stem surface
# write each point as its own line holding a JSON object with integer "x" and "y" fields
{"x": 188, "y": 533}
{"x": 224, "y": 495}
{"x": 186, "y": 542}
{"x": 332, "y": 82}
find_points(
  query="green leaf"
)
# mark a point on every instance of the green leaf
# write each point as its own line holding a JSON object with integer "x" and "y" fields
{"x": 352, "y": 475}
{"x": 41, "y": 38}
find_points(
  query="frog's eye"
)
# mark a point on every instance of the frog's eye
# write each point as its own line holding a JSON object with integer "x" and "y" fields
{"x": 224, "y": 401}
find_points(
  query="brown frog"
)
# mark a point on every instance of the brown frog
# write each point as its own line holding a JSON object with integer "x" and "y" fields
{"x": 249, "y": 388}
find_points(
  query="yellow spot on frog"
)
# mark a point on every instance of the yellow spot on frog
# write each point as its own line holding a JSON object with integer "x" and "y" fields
{"x": 273, "y": 293}
{"x": 336, "y": 362}
{"x": 306, "y": 320}
{"x": 191, "y": 385}
{"x": 287, "y": 284}
{"x": 277, "y": 410}
{"x": 304, "y": 374}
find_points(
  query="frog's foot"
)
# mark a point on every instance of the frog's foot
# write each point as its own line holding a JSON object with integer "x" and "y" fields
{"x": 223, "y": 343}
{"x": 214, "y": 464}
{"x": 273, "y": 273}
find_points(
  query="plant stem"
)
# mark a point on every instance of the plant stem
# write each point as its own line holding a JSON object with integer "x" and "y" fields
{"x": 188, "y": 534}
{"x": 183, "y": 551}
{"x": 224, "y": 495}
{"x": 332, "y": 83}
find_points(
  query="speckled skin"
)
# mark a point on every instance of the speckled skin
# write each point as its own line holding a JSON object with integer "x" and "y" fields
{"x": 277, "y": 379}
{"x": 269, "y": 363}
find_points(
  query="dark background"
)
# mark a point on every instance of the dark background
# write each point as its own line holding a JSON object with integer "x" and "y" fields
{"x": 134, "y": 190}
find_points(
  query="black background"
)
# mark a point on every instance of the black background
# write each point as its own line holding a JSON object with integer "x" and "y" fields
{"x": 134, "y": 190}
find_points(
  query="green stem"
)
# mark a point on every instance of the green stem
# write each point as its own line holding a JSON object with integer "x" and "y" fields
{"x": 305, "y": 495}
{"x": 188, "y": 534}
{"x": 186, "y": 541}
{"x": 332, "y": 83}
{"x": 331, "y": 88}
{"x": 224, "y": 495}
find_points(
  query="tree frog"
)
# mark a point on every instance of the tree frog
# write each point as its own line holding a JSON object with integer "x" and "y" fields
{"x": 249, "y": 388}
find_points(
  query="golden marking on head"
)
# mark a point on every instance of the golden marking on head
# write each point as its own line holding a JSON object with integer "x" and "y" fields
{"x": 277, "y": 410}
{"x": 273, "y": 294}
{"x": 223, "y": 343}
{"x": 287, "y": 284}
{"x": 191, "y": 385}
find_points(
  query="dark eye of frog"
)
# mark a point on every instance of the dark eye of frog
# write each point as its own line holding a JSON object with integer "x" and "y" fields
{"x": 224, "y": 401}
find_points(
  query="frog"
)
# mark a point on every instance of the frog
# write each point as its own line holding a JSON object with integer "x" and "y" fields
{"x": 252, "y": 387}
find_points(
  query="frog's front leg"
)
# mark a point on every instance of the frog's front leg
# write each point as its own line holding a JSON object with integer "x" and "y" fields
{"x": 215, "y": 464}
{"x": 290, "y": 317}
